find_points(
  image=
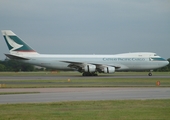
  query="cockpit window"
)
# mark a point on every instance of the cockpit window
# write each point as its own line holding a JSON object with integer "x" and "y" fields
{"x": 155, "y": 54}
{"x": 157, "y": 59}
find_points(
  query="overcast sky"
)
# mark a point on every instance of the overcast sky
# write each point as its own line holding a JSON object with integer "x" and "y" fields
{"x": 88, "y": 26}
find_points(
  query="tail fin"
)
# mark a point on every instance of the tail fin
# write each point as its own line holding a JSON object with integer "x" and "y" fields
{"x": 15, "y": 44}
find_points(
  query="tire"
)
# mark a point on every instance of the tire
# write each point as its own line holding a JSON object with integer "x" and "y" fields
{"x": 150, "y": 74}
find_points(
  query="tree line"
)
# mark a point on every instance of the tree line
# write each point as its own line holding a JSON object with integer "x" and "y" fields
{"x": 12, "y": 65}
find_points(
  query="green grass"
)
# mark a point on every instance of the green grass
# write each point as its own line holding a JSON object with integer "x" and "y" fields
{"x": 88, "y": 110}
{"x": 90, "y": 82}
{"x": 7, "y": 93}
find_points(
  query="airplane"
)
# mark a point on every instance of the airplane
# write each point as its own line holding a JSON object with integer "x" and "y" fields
{"x": 88, "y": 65}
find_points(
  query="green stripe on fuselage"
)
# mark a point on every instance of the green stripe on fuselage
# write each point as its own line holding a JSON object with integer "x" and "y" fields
{"x": 158, "y": 59}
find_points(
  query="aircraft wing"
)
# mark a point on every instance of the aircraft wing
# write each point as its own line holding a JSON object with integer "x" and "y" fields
{"x": 80, "y": 65}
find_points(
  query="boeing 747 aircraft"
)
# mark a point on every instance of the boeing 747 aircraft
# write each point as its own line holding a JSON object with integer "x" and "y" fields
{"x": 88, "y": 65}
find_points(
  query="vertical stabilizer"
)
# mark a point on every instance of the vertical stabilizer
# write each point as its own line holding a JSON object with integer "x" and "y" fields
{"x": 15, "y": 44}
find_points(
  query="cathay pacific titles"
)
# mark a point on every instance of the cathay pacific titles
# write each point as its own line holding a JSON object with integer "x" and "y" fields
{"x": 124, "y": 59}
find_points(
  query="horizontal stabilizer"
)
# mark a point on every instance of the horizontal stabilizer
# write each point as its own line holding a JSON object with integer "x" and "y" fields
{"x": 16, "y": 57}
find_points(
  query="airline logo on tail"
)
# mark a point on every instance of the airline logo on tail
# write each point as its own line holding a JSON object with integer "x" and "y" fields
{"x": 14, "y": 43}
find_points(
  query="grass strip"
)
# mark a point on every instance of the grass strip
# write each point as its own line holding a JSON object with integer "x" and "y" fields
{"x": 100, "y": 82}
{"x": 89, "y": 110}
{"x": 7, "y": 93}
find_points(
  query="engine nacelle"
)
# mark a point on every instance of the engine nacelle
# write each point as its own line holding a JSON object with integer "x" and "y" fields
{"x": 109, "y": 70}
{"x": 89, "y": 68}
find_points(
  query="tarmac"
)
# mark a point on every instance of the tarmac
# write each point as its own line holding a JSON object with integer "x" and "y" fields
{"x": 45, "y": 95}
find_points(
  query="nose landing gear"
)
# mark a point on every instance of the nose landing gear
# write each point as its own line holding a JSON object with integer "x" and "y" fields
{"x": 150, "y": 73}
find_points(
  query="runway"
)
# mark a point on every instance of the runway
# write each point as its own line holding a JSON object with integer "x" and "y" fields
{"x": 83, "y": 94}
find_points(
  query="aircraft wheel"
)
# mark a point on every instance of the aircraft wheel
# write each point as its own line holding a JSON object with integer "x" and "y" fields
{"x": 150, "y": 74}
{"x": 95, "y": 74}
{"x": 89, "y": 74}
{"x": 86, "y": 74}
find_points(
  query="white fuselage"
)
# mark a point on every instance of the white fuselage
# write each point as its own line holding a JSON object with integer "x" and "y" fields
{"x": 127, "y": 61}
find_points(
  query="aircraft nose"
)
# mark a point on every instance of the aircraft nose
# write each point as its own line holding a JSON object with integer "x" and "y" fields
{"x": 167, "y": 62}
{"x": 164, "y": 63}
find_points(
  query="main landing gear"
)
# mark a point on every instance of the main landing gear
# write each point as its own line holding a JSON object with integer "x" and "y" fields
{"x": 89, "y": 74}
{"x": 150, "y": 73}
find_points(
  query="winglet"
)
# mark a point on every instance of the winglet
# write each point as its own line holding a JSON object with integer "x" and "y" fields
{"x": 15, "y": 44}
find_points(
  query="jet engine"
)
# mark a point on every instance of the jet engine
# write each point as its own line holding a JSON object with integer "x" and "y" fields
{"x": 109, "y": 70}
{"x": 89, "y": 68}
